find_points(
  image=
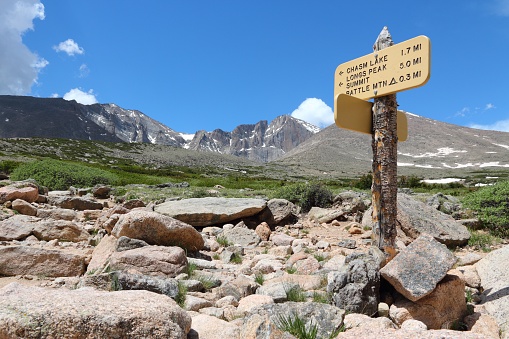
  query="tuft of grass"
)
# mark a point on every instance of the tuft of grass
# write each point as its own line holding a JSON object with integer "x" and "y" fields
{"x": 180, "y": 298}
{"x": 295, "y": 293}
{"x": 259, "y": 278}
{"x": 115, "y": 284}
{"x": 296, "y": 327}
{"x": 468, "y": 296}
{"x": 291, "y": 270}
{"x": 320, "y": 298}
{"x": 221, "y": 240}
{"x": 236, "y": 258}
{"x": 207, "y": 281}
{"x": 319, "y": 257}
{"x": 191, "y": 268}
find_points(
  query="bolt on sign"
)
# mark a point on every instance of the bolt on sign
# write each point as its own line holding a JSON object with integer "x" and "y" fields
{"x": 393, "y": 69}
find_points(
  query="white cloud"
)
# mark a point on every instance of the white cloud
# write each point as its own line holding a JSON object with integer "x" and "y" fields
{"x": 489, "y": 106}
{"x": 461, "y": 113}
{"x": 85, "y": 98}
{"x": 55, "y": 95}
{"x": 20, "y": 67}
{"x": 70, "y": 47}
{"x": 502, "y": 125}
{"x": 84, "y": 71}
{"x": 314, "y": 111}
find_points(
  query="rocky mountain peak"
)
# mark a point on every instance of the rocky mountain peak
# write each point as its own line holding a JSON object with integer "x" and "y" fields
{"x": 59, "y": 118}
{"x": 262, "y": 141}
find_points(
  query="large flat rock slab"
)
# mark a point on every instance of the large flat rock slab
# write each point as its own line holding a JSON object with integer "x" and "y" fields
{"x": 34, "y": 312}
{"x": 418, "y": 218}
{"x": 17, "y": 227}
{"x": 494, "y": 273}
{"x": 30, "y": 193}
{"x": 415, "y": 218}
{"x": 416, "y": 271}
{"x": 157, "y": 229}
{"x": 211, "y": 210}
{"x": 151, "y": 260}
{"x": 22, "y": 260}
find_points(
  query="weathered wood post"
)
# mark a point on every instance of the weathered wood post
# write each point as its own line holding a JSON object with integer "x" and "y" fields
{"x": 389, "y": 69}
{"x": 385, "y": 147}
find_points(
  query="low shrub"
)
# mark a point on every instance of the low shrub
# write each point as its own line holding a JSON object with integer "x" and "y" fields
{"x": 482, "y": 240}
{"x": 364, "y": 182}
{"x": 7, "y": 166}
{"x": 411, "y": 181}
{"x": 305, "y": 195}
{"x": 60, "y": 175}
{"x": 491, "y": 205}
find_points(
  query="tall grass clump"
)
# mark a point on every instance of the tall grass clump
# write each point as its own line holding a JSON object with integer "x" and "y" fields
{"x": 297, "y": 327}
{"x": 491, "y": 205}
{"x": 305, "y": 195}
{"x": 60, "y": 175}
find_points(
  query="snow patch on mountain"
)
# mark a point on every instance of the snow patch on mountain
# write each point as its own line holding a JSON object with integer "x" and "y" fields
{"x": 310, "y": 127}
{"x": 442, "y": 152}
{"x": 504, "y": 146}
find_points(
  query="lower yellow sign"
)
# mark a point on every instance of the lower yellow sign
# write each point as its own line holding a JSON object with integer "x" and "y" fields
{"x": 357, "y": 115}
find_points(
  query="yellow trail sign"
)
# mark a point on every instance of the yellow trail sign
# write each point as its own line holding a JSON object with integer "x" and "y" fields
{"x": 357, "y": 115}
{"x": 393, "y": 69}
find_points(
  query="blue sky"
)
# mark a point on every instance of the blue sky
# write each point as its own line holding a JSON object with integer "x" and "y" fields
{"x": 196, "y": 65}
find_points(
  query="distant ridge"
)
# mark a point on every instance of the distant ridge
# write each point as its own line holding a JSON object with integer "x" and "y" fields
{"x": 433, "y": 147}
{"x": 23, "y": 116}
{"x": 433, "y": 150}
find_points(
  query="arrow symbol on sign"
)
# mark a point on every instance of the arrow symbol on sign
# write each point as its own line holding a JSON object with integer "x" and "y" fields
{"x": 341, "y": 73}
{"x": 340, "y": 84}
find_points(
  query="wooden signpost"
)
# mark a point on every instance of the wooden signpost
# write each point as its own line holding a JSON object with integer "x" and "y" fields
{"x": 390, "y": 69}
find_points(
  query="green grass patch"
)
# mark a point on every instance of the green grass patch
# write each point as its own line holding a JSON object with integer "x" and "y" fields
{"x": 482, "y": 240}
